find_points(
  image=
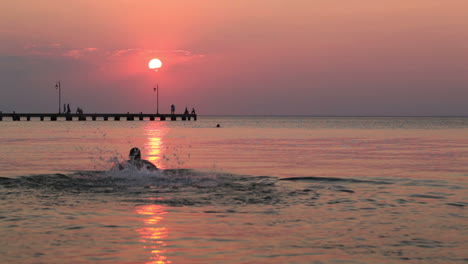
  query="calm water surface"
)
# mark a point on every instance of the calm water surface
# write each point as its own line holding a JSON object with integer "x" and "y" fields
{"x": 255, "y": 190}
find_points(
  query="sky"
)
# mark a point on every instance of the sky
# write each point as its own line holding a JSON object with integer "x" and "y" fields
{"x": 236, "y": 57}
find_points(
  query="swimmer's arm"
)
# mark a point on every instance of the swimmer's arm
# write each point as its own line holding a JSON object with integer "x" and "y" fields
{"x": 149, "y": 165}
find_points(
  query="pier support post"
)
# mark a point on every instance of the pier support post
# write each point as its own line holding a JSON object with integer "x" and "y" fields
{"x": 184, "y": 118}
{"x": 94, "y": 118}
{"x": 151, "y": 118}
{"x": 82, "y": 118}
{"x": 117, "y": 118}
{"x": 130, "y": 118}
{"x": 106, "y": 118}
{"x": 69, "y": 118}
{"x": 162, "y": 118}
{"x": 42, "y": 118}
{"x": 28, "y": 118}
{"x": 141, "y": 118}
{"x": 53, "y": 118}
{"x": 173, "y": 118}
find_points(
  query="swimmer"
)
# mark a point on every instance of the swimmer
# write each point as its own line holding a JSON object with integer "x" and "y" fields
{"x": 136, "y": 161}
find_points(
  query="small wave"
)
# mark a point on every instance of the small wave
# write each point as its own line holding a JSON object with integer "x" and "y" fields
{"x": 332, "y": 179}
{"x": 421, "y": 242}
{"x": 427, "y": 196}
{"x": 458, "y": 204}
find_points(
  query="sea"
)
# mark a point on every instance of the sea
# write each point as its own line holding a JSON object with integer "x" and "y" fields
{"x": 256, "y": 189}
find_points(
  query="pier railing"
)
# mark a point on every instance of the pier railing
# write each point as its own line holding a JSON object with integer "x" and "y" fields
{"x": 96, "y": 116}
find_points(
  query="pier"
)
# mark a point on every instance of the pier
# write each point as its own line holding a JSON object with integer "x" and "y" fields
{"x": 96, "y": 117}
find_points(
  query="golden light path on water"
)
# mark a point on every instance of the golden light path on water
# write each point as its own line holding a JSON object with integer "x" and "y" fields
{"x": 152, "y": 234}
{"x": 155, "y": 132}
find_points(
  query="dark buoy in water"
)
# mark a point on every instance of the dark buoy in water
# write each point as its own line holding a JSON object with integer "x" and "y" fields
{"x": 218, "y": 125}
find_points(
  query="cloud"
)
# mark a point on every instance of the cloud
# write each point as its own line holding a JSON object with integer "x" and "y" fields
{"x": 56, "y": 60}
{"x": 169, "y": 57}
{"x": 79, "y": 53}
{"x": 174, "y": 56}
{"x": 57, "y": 50}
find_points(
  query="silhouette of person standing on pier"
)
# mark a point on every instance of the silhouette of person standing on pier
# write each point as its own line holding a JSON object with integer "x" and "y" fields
{"x": 193, "y": 111}
{"x": 186, "y": 111}
{"x": 64, "y": 108}
{"x": 68, "y": 109}
{"x": 172, "y": 109}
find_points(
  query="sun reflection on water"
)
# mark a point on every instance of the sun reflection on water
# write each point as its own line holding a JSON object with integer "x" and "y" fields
{"x": 152, "y": 234}
{"x": 155, "y": 132}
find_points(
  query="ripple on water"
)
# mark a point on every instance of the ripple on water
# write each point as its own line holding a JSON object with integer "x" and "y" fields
{"x": 427, "y": 196}
{"x": 420, "y": 242}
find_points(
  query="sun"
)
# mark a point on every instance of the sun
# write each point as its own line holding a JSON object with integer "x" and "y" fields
{"x": 155, "y": 64}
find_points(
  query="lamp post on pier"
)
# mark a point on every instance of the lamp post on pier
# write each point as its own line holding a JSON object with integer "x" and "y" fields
{"x": 156, "y": 89}
{"x": 57, "y": 86}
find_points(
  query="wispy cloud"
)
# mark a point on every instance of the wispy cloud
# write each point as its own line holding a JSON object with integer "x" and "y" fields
{"x": 176, "y": 56}
{"x": 79, "y": 53}
{"x": 57, "y": 50}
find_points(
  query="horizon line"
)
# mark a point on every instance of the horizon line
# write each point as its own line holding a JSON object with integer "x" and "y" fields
{"x": 302, "y": 115}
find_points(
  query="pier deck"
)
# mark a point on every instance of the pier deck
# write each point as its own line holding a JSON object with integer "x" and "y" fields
{"x": 96, "y": 117}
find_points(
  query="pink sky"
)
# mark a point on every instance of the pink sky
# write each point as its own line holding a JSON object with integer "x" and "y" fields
{"x": 258, "y": 57}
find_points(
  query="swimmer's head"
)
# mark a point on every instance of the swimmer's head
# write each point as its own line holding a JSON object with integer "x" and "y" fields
{"x": 134, "y": 154}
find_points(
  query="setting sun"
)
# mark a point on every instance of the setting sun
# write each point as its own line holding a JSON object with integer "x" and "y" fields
{"x": 155, "y": 64}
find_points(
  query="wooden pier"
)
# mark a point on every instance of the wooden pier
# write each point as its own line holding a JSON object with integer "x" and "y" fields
{"x": 96, "y": 117}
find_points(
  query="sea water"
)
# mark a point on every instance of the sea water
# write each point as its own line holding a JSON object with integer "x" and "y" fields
{"x": 254, "y": 190}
